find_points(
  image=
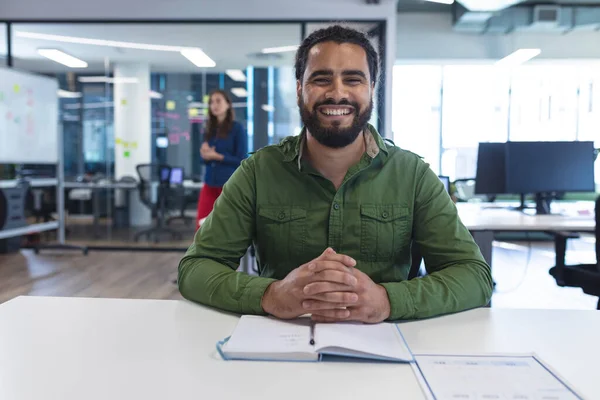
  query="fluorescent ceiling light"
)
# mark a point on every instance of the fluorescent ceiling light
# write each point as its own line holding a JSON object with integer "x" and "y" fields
{"x": 155, "y": 95}
{"x": 99, "y": 42}
{"x": 239, "y": 92}
{"x": 267, "y": 108}
{"x": 62, "y": 58}
{"x": 106, "y": 79}
{"x": 282, "y": 49}
{"x": 518, "y": 57}
{"x": 488, "y": 5}
{"x": 198, "y": 58}
{"x": 65, "y": 94}
{"x": 192, "y": 51}
{"x": 236, "y": 75}
{"x": 441, "y": 1}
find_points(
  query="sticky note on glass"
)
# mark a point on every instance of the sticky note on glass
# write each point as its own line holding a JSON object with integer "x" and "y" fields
{"x": 206, "y": 98}
{"x": 17, "y": 88}
{"x": 170, "y": 105}
{"x": 124, "y": 102}
{"x": 1, "y": 96}
{"x": 193, "y": 112}
{"x": 126, "y": 154}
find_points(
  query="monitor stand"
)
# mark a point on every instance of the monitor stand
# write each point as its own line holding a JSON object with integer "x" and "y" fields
{"x": 522, "y": 206}
{"x": 542, "y": 203}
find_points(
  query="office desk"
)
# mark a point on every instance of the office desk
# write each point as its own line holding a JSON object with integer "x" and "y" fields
{"x": 483, "y": 219}
{"x": 98, "y": 349}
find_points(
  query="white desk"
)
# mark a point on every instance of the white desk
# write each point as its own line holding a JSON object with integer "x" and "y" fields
{"x": 483, "y": 219}
{"x": 98, "y": 349}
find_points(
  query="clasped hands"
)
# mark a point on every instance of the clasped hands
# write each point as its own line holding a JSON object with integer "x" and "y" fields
{"x": 329, "y": 288}
{"x": 209, "y": 153}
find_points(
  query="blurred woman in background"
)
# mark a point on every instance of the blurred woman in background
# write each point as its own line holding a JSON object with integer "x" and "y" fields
{"x": 224, "y": 147}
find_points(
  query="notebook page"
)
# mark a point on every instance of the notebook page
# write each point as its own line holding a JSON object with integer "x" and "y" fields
{"x": 490, "y": 377}
{"x": 382, "y": 340}
{"x": 256, "y": 334}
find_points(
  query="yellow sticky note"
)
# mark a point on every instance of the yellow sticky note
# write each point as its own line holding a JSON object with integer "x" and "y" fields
{"x": 118, "y": 141}
{"x": 124, "y": 102}
{"x": 134, "y": 145}
{"x": 193, "y": 112}
{"x": 170, "y": 105}
{"x": 126, "y": 144}
{"x": 206, "y": 99}
{"x": 17, "y": 88}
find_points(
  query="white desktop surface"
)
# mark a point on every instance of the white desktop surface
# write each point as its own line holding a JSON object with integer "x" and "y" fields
{"x": 490, "y": 217}
{"x": 80, "y": 348}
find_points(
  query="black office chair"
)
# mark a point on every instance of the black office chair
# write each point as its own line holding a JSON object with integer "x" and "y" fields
{"x": 584, "y": 276}
{"x": 153, "y": 189}
{"x": 178, "y": 199}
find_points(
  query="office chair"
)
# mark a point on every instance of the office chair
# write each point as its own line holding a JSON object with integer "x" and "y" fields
{"x": 584, "y": 276}
{"x": 181, "y": 200}
{"x": 153, "y": 189}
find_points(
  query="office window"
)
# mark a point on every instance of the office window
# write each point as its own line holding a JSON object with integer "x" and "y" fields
{"x": 475, "y": 109}
{"x": 544, "y": 103}
{"x": 416, "y": 96}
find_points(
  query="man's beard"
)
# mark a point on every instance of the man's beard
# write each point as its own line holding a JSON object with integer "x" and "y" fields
{"x": 334, "y": 136}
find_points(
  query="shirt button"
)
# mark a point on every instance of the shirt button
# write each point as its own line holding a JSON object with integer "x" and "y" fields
{"x": 384, "y": 214}
{"x": 281, "y": 215}
{"x": 336, "y": 206}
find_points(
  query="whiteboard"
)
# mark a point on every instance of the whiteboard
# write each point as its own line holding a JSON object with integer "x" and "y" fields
{"x": 28, "y": 118}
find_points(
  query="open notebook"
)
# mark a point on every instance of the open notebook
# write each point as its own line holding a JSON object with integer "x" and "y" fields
{"x": 267, "y": 338}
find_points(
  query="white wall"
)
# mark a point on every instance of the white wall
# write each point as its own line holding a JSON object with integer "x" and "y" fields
{"x": 429, "y": 36}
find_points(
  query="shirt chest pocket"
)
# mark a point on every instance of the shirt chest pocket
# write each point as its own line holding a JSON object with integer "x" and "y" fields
{"x": 384, "y": 231}
{"x": 281, "y": 232}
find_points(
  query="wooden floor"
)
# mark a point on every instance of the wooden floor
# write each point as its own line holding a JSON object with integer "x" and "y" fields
{"x": 520, "y": 271}
{"x": 139, "y": 275}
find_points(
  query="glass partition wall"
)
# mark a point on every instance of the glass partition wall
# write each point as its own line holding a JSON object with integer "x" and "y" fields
{"x": 135, "y": 93}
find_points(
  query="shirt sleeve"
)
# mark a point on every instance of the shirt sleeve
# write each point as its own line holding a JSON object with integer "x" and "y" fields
{"x": 207, "y": 272}
{"x": 458, "y": 278}
{"x": 240, "y": 145}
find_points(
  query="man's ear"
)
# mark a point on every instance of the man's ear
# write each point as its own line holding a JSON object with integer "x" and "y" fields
{"x": 298, "y": 90}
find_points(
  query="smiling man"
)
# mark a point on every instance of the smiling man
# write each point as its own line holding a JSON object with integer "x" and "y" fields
{"x": 334, "y": 211}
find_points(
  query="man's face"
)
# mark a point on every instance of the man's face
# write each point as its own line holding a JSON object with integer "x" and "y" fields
{"x": 335, "y": 95}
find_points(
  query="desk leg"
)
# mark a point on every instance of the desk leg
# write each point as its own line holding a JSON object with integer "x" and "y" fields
{"x": 485, "y": 241}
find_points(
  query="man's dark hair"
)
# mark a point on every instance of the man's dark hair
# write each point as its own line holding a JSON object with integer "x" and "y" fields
{"x": 337, "y": 34}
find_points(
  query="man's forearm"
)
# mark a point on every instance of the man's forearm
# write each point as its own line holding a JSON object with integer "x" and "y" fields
{"x": 208, "y": 282}
{"x": 452, "y": 289}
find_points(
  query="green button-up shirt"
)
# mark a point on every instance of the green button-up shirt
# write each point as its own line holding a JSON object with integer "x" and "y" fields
{"x": 291, "y": 214}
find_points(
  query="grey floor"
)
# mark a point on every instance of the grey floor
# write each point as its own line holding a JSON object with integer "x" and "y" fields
{"x": 522, "y": 280}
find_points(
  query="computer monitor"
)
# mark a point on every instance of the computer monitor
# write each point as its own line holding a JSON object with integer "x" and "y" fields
{"x": 490, "y": 176}
{"x": 545, "y": 168}
{"x": 176, "y": 176}
{"x": 446, "y": 181}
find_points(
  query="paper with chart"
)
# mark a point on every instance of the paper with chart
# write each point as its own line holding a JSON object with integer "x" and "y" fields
{"x": 491, "y": 377}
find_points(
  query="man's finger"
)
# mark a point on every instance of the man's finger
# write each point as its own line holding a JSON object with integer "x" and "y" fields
{"x": 336, "y": 297}
{"x": 335, "y": 276}
{"x": 322, "y": 306}
{"x": 316, "y": 267}
{"x": 331, "y": 255}
{"x": 335, "y": 313}
{"x": 352, "y": 314}
{"x": 316, "y": 288}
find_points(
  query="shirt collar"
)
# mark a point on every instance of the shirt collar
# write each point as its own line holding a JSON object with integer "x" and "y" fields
{"x": 373, "y": 144}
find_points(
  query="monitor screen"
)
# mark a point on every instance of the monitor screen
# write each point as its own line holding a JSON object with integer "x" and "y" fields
{"x": 490, "y": 177}
{"x": 446, "y": 181}
{"x": 543, "y": 167}
{"x": 176, "y": 176}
